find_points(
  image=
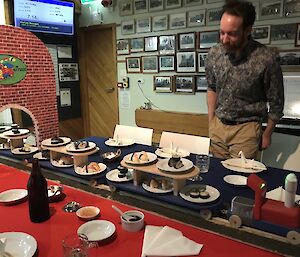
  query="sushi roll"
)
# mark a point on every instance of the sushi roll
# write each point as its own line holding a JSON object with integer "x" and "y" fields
{"x": 194, "y": 193}
{"x": 204, "y": 195}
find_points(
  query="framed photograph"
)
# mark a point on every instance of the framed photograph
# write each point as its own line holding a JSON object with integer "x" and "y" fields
{"x": 297, "y": 40}
{"x": 170, "y": 4}
{"x": 167, "y": 44}
{"x": 207, "y": 39}
{"x": 186, "y": 61}
{"x": 192, "y": 2}
{"x": 149, "y": 64}
{"x": 125, "y": 7}
{"x": 140, "y": 6}
{"x": 166, "y": 63}
{"x": 156, "y": 5}
{"x": 291, "y": 8}
{"x": 283, "y": 33}
{"x": 196, "y": 18}
{"x": 143, "y": 25}
{"x": 127, "y": 27}
{"x": 262, "y": 34}
{"x": 177, "y": 20}
{"x": 160, "y": 23}
{"x": 137, "y": 45}
{"x": 290, "y": 60}
{"x": 213, "y": 16}
{"x": 270, "y": 9}
{"x": 133, "y": 64}
{"x": 201, "y": 61}
{"x": 163, "y": 84}
{"x": 201, "y": 83}
{"x": 187, "y": 41}
{"x": 123, "y": 46}
{"x": 184, "y": 84}
{"x": 151, "y": 44}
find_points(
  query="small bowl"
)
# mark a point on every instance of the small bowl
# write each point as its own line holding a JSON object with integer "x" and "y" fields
{"x": 88, "y": 213}
{"x": 111, "y": 156}
{"x": 133, "y": 225}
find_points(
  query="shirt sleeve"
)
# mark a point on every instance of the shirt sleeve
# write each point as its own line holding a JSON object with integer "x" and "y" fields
{"x": 209, "y": 72}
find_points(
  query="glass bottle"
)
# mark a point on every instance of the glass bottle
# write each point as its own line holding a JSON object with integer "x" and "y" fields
{"x": 37, "y": 195}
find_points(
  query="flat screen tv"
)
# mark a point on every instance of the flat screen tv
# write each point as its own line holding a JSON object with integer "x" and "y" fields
{"x": 45, "y": 16}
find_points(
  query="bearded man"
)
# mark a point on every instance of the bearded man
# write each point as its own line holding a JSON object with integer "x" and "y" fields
{"x": 245, "y": 86}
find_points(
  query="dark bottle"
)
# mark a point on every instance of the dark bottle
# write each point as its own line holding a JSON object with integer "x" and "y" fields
{"x": 37, "y": 194}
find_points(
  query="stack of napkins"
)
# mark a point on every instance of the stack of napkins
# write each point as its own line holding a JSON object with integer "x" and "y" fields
{"x": 167, "y": 241}
{"x": 278, "y": 194}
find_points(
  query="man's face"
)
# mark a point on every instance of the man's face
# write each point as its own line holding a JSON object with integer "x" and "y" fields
{"x": 232, "y": 34}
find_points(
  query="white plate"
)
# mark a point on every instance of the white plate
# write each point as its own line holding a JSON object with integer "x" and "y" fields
{"x": 12, "y": 196}
{"x": 151, "y": 156}
{"x": 120, "y": 142}
{"x": 157, "y": 190}
{"x": 33, "y": 149}
{"x": 213, "y": 192}
{"x": 113, "y": 176}
{"x": 9, "y": 133}
{"x": 163, "y": 165}
{"x": 82, "y": 171}
{"x": 58, "y": 165}
{"x": 235, "y": 164}
{"x": 47, "y": 142}
{"x": 71, "y": 148}
{"x": 19, "y": 244}
{"x": 97, "y": 230}
{"x": 167, "y": 153}
{"x": 236, "y": 180}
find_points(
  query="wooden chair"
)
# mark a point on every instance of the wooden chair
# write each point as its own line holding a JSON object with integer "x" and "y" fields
{"x": 193, "y": 144}
{"x": 138, "y": 134}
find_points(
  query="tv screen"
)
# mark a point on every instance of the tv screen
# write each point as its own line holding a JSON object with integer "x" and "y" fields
{"x": 46, "y": 16}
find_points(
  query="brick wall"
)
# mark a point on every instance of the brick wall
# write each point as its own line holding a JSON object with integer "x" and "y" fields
{"x": 36, "y": 93}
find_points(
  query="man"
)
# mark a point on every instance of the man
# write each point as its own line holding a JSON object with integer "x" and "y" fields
{"x": 245, "y": 86}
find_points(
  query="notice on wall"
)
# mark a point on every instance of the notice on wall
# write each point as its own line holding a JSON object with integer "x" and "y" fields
{"x": 124, "y": 97}
{"x": 68, "y": 72}
{"x": 53, "y": 53}
{"x": 65, "y": 97}
{"x": 64, "y": 51}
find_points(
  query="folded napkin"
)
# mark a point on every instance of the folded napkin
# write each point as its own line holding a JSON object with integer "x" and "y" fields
{"x": 166, "y": 241}
{"x": 2, "y": 246}
{"x": 278, "y": 194}
{"x": 246, "y": 164}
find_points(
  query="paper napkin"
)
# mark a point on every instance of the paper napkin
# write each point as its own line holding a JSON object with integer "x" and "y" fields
{"x": 278, "y": 194}
{"x": 167, "y": 241}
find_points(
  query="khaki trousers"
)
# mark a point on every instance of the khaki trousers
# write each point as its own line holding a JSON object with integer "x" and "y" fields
{"x": 228, "y": 140}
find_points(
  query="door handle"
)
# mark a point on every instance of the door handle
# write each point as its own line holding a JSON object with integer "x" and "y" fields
{"x": 109, "y": 89}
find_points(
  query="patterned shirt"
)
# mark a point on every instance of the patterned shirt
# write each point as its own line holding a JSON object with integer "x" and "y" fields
{"x": 249, "y": 88}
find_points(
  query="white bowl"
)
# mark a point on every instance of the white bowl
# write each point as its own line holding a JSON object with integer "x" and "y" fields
{"x": 88, "y": 213}
{"x": 133, "y": 225}
{"x": 13, "y": 196}
{"x": 97, "y": 230}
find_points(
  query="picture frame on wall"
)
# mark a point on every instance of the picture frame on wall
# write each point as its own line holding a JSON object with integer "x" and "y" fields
{"x": 123, "y": 46}
{"x": 297, "y": 40}
{"x": 133, "y": 64}
{"x": 207, "y": 39}
{"x": 290, "y": 60}
{"x": 270, "y": 9}
{"x": 150, "y": 64}
{"x": 283, "y": 33}
{"x": 213, "y": 16}
{"x": 125, "y": 7}
{"x": 186, "y": 61}
{"x": 177, "y": 20}
{"x": 127, "y": 27}
{"x": 151, "y": 44}
{"x": 291, "y": 8}
{"x": 140, "y": 6}
{"x": 201, "y": 83}
{"x": 137, "y": 45}
{"x": 143, "y": 25}
{"x": 156, "y": 5}
{"x": 186, "y": 41}
{"x": 201, "y": 61}
{"x": 167, "y": 44}
{"x": 166, "y": 63}
{"x": 262, "y": 34}
{"x": 184, "y": 84}
{"x": 196, "y": 18}
{"x": 213, "y": 1}
{"x": 163, "y": 84}
{"x": 192, "y": 2}
{"x": 160, "y": 23}
{"x": 170, "y": 4}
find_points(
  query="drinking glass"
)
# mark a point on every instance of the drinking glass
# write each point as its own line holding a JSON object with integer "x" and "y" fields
{"x": 202, "y": 162}
{"x": 75, "y": 245}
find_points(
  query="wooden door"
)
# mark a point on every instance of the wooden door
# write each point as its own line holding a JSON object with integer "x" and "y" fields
{"x": 98, "y": 75}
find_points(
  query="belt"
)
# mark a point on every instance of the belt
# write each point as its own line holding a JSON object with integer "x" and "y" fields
{"x": 232, "y": 122}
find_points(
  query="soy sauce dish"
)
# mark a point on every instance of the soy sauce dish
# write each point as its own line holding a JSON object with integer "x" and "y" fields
{"x": 135, "y": 223}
